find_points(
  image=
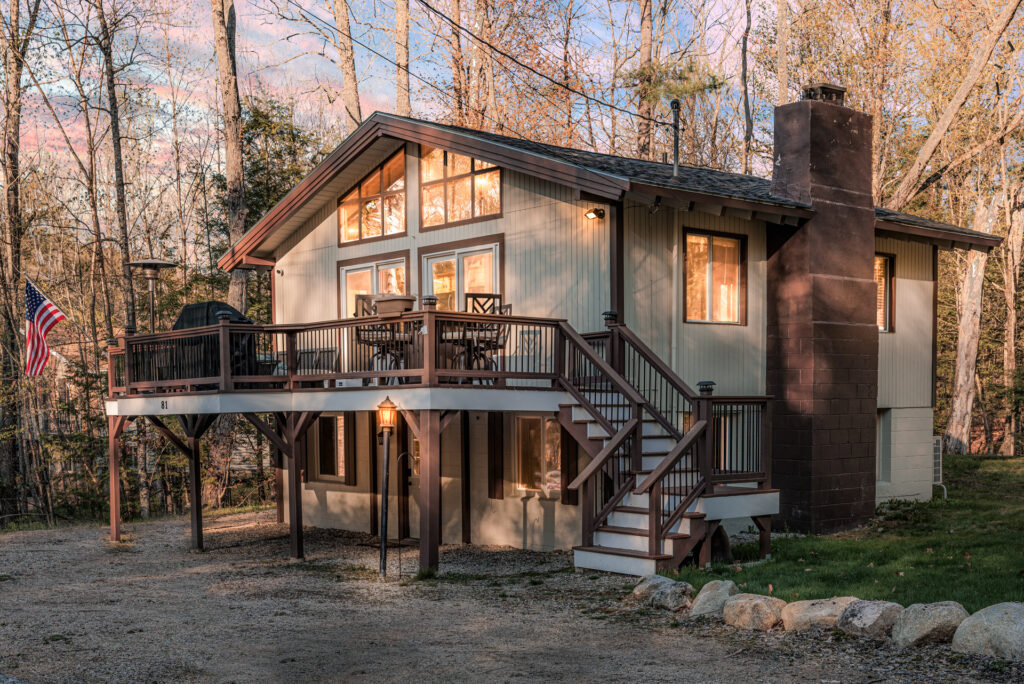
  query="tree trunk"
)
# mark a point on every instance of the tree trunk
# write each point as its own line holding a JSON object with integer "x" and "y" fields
{"x": 403, "y": 101}
{"x": 958, "y": 430}
{"x": 347, "y": 63}
{"x": 782, "y": 56}
{"x": 748, "y": 121}
{"x": 645, "y": 132}
{"x": 908, "y": 187}
{"x": 458, "y": 67}
{"x": 1012, "y": 250}
{"x": 113, "y": 109}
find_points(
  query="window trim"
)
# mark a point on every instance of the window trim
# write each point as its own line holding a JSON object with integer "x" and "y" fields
{"x": 421, "y": 184}
{"x": 313, "y": 459}
{"x": 517, "y": 479}
{"x": 431, "y": 251}
{"x": 357, "y": 187}
{"x": 372, "y": 261}
{"x": 743, "y": 275}
{"x": 890, "y": 323}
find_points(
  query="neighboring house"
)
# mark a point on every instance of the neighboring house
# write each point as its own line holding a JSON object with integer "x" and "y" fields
{"x": 805, "y": 315}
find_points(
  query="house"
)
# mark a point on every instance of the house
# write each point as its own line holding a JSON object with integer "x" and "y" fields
{"x": 566, "y": 303}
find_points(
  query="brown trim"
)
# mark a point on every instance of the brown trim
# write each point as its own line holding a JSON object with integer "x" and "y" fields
{"x": 981, "y": 241}
{"x": 890, "y": 324}
{"x": 721, "y": 200}
{"x": 371, "y": 418}
{"x": 404, "y": 469}
{"x": 569, "y": 463}
{"x": 368, "y": 261}
{"x": 467, "y": 530}
{"x": 495, "y": 455}
{"x": 935, "y": 323}
{"x": 616, "y": 260}
{"x": 483, "y": 241}
{"x": 744, "y": 267}
{"x": 357, "y": 186}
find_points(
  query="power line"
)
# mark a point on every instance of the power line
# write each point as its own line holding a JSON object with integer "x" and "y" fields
{"x": 529, "y": 68}
{"x": 316, "y": 18}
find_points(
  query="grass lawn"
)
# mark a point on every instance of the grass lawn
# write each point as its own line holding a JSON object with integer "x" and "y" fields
{"x": 969, "y": 548}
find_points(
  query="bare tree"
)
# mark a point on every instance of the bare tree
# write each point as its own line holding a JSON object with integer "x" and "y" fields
{"x": 403, "y": 101}
{"x": 347, "y": 64}
{"x": 644, "y": 130}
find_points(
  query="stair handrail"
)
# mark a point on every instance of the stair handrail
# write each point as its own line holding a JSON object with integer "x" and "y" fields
{"x": 672, "y": 457}
{"x": 610, "y": 448}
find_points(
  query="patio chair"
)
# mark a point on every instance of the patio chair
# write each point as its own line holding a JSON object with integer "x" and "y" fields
{"x": 479, "y": 302}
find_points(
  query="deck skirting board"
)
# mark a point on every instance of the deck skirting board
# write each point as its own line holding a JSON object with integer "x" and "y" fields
{"x": 413, "y": 399}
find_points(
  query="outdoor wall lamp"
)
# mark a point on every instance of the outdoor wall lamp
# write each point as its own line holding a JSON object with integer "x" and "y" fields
{"x": 596, "y": 213}
{"x": 387, "y": 416}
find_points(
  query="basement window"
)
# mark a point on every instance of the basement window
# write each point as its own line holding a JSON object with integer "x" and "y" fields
{"x": 884, "y": 310}
{"x": 538, "y": 448}
{"x": 715, "y": 278}
{"x": 330, "y": 449}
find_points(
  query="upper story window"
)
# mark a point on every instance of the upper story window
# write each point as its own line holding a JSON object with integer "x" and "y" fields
{"x": 371, "y": 278}
{"x": 376, "y": 206}
{"x": 715, "y": 278}
{"x": 457, "y": 189}
{"x": 451, "y": 274}
{"x": 884, "y": 292}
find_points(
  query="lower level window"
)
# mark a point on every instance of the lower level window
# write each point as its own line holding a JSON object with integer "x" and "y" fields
{"x": 538, "y": 448}
{"x": 330, "y": 449}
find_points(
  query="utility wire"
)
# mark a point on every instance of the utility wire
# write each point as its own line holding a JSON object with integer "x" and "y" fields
{"x": 529, "y": 68}
{"x": 317, "y": 19}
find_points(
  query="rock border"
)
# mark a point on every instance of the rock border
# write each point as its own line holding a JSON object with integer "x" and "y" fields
{"x": 995, "y": 631}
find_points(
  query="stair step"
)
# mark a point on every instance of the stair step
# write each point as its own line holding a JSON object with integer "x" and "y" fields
{"x": 623, "y": 552}
{"x": 623, "y": 530}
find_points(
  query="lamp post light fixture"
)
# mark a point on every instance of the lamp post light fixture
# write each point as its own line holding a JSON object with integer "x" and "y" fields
{"x": 150, "y": 269}
{"x": 387, "y": 416}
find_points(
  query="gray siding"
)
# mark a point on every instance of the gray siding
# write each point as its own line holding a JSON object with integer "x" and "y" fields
{"x": 905, "y": 355}
{"x": 555, "y": 259}
{"x": 733, "y": 356}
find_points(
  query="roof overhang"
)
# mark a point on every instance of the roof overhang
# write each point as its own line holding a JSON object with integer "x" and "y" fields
{"x": 945, "y": 237}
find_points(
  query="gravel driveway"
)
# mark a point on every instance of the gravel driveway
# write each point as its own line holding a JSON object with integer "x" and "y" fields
{"x": 74, "y": 608}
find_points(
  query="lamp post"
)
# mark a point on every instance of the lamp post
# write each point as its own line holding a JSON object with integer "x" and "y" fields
{"x": 151, "y": 272}
{"x": 387, "y": 414}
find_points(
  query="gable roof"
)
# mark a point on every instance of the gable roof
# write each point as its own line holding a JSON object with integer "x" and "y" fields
{"x": 602, "y": 176}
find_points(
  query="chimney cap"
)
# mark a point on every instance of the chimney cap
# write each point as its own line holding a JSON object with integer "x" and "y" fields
{"x": 825, "y": 92}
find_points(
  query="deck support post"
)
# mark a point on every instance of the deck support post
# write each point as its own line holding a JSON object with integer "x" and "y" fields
{"x": 115, "y": 426}
{"x": 294, "y": 499}
{"x": 764, "y": 527}
{"x": 195, "y": 493}
{"x": 430, "y": 488}
{"x": 467, "y": 530}
{"x": 704, "y": 559}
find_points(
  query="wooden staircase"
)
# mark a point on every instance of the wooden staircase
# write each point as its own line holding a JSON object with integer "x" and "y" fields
{"x": 652, "y": 446}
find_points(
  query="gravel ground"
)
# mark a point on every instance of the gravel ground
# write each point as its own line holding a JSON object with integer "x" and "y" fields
{"x": 76, "y": 608}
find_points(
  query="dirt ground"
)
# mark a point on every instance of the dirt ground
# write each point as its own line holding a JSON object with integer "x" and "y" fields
{"x": 75, "y": 608}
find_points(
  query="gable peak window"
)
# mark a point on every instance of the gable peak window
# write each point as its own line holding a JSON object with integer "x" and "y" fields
{"x": 375, "y": 207}
{"x": 884, "y": 292}
{"x": 456, "y": 188}
{"x": 715, "y": 278}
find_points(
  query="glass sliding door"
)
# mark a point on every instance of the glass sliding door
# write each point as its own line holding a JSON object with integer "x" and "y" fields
{"x": 450, "y": 275}
{"x": 382, "y": 278}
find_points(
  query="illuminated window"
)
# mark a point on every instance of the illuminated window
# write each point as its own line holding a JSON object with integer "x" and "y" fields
{"x": 374, "y": 278}
{"x": 456, "y": 188}
{"x": 450, "y": 275}
{"x": 883, "y": 292}
{"x": 714, "y": 278}
{"x": 538, "y": 453}
{"x": 375, "y": 207}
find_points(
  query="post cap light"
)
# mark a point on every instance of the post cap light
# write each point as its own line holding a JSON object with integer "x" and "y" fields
{"x": 596, "y": 213}
{"x": 387, "y": 414}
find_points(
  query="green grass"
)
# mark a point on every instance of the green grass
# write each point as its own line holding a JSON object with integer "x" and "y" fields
{"x": 969, "y": 548}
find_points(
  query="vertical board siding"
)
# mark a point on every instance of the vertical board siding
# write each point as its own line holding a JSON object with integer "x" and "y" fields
{"x": 905, "y": 355}
{"x": 733, "y": 356}
{"x": 555, "y": 259}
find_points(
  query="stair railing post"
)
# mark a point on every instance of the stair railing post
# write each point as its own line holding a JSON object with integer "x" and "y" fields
{"x": 224, "y": 337}
{"x": 587, "y": 509}
{"x": 129, "y": 359}
{"x": 707, "y": 440}
{"x": 654, "y": 519}
{"x": 559, "y": 369}
{"x": 431, "y": 344}
{"x": 766, "y": 444}
{"x": 637, "y": 439}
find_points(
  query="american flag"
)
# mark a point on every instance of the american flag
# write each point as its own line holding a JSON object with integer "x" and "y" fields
{"x": 41, "y": 315}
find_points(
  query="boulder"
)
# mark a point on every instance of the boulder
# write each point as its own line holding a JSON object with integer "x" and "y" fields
{"x": 872, "y": 619}
{"x": 817, "y": 613}
{"x": 649, "y": 586}
{"x": 924, "y": 623}
{"x": 676, "y": 597}
{"x": 996, "y": 631}
{"x": 712, "y": 597}
{"x": 753, "y": 611}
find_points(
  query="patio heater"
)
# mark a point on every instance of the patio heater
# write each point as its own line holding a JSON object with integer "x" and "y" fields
{"x": 387, "y": 415}
{"x": 151, "y": 272}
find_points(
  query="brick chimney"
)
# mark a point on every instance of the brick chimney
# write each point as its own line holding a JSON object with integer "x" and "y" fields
{"x": 822, "y": 331}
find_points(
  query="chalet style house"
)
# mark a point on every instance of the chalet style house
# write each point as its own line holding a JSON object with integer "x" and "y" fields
{"x": 587, "y": 352}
